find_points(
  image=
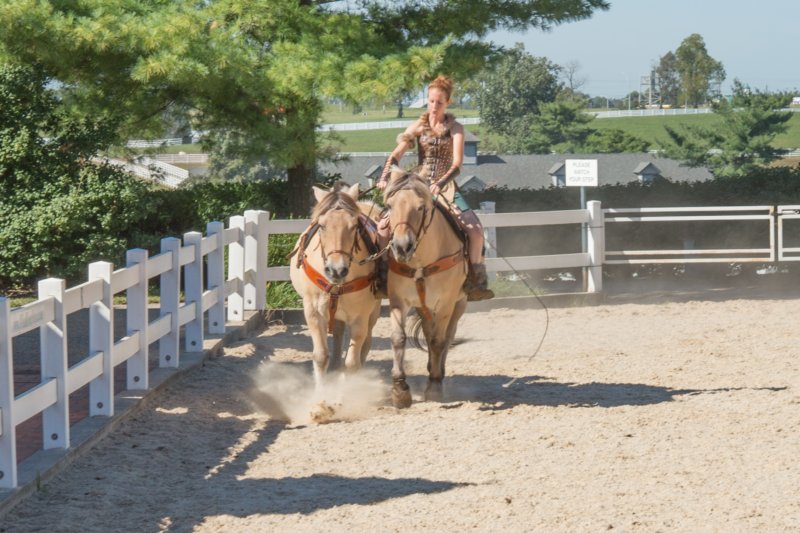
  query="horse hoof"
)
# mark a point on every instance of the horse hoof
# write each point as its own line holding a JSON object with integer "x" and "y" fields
{"x": 401, "y": 397}
{"x": 434, "y": 392}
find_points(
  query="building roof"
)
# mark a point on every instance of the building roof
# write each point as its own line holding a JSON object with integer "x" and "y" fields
{"x": 646, "y": 167}
{"x": 534, "y": 171}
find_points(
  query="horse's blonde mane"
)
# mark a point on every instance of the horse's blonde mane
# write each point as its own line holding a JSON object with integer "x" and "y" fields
{"x": 408, "y": 180}
{"x": 334, "y": 200}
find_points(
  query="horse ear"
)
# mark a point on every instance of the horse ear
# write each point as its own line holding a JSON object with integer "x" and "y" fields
{"x": 319, "y": 194}
{"x": 352, "y": 192}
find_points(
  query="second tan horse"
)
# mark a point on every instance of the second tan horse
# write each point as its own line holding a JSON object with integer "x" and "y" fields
{"x": 427, "y": 269}
{"x": 336, "y": 288}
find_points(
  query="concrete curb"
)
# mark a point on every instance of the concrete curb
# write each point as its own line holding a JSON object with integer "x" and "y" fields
{"x": 84, "y": 435}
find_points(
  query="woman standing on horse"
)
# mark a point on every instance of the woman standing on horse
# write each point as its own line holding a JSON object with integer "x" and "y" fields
{"x": 440, "y": 141}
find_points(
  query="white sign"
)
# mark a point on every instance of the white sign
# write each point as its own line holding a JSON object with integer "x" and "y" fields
{"x": 581, "y": 172}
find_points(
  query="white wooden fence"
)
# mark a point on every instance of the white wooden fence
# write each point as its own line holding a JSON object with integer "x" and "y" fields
{"x": 762, "y": 215}
{"x": 202, "y": 309}
{"x": 204, "y": 305}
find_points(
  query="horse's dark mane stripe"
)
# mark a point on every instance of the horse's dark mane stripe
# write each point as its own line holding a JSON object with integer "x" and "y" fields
{"x": 335, "y": 200}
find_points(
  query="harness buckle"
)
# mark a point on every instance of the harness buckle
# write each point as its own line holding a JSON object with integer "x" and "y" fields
{"x": 419, "y": 273}
{"x": 335, "y": 290}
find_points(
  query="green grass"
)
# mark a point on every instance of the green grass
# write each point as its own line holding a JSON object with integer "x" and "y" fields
{"x": 185, "y": 148}
{"x": 377, "y": 140}
{"x": 340, "y": 115}
{"x": 652, "y": 128}
{"x": 649, "y": 128}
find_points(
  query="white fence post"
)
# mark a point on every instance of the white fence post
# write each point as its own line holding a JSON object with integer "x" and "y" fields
{"x": 8, "y": 431}
{"x": 193, "y": 288}
{"x": 137, "y": 321}
{"x": 216, "y": 278}
{"x": 489, "y": 234}
{"x": 101, "y": 339}
{"x": 55, "y": 419}
{"x": 236, "y": 271}
{"x": 169, "y": 345}
{"x": 596, "y": 246}
{"x": 255, "y": 259}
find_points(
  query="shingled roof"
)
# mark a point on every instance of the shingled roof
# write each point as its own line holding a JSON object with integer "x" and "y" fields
{"x": 532, "y": 171}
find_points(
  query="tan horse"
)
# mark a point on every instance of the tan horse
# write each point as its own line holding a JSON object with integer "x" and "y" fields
{"x": 336, "y": 290}
{"x": 427, "y": 268}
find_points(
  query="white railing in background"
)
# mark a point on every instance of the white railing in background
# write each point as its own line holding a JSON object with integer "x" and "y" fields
{"x": 762, "y": 214}
{"x": 153, "y": 143}
{"x": 592, "y": 258}
{"x": 153, "y": 170}
{"x": 787, "y": 212}
{"x": 197, "y": 159}
{"x": 203, "y": 307}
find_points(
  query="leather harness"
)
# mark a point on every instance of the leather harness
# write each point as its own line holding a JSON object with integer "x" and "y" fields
{"x": 419, "y": 275}
{"x": 440, "y": 265}
{"x": 335, "y": 290}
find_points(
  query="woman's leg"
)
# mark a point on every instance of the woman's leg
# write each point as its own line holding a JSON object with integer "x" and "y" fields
{"x": 477, "y": 281}
{"x": 469, "y": 222}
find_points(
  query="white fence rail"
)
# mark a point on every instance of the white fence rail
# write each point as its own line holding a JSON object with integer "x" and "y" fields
{"x": 211, "y": 299}
{"x": 195, "y": 159}
{"x": 764, "y": 215}
{"x": 154, "y": 170}
{"x": 154, "y": 143}
{"x": 787, "y": 212}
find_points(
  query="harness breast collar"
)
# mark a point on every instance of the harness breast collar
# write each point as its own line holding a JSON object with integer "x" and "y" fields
{"x": 335, "y": 290}
{"x": 419, "y": 274}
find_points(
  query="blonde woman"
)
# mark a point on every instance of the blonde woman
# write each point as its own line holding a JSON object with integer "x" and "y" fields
{"x": 440, "y": 141}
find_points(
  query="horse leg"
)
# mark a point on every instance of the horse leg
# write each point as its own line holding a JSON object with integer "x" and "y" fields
{"x": 317, "y": 328}
{"x": 458, "y": 311}
{"x": 437, "y": 351}
{"x": 359, "y": 331}
{"x": 365, "y": 348}
{"x": 336, "y": 352}
{"x": 401, "y": 395}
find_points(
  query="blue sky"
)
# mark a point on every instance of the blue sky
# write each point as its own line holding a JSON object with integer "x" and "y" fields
{"x": 757, "y": 42}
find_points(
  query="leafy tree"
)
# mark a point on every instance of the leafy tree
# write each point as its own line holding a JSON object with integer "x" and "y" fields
{"x": 614, "y": 141}
{"x": 697, "y": 69}
{"x": 259, "y": 67}
{"x": 562, "y": 125}
{"x": 513, "y": 91}
{"x": 668, "y": 79}
{"x": 59, "y": 210}
{"x": 743, "y": 142}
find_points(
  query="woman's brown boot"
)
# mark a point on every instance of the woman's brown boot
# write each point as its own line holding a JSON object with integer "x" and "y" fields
{"x": 477, "y": 283}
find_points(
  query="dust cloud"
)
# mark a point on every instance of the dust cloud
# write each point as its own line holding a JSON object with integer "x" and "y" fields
{"x": 287, "y": 392}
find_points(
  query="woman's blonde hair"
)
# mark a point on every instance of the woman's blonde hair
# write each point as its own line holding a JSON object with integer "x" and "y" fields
{"x": 444, "y": 84}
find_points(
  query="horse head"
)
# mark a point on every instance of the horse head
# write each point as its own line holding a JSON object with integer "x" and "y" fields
{"x": 410, "y": 208}
{"x": 336, "y": 215}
